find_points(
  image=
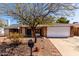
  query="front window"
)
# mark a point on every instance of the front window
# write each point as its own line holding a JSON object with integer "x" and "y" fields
{"x": 14, "y": 30}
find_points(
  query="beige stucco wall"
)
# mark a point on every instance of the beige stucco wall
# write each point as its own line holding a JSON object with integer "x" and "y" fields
{"x": 23, "y": 31}
{"x": 6, "y": 32}
{"x": 71, "y": 31}
{"x": 44, "y": 31}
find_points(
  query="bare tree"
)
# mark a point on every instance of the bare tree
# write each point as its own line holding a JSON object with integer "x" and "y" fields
{"x": 38, "y": 13}
{"x": 3, "y": 23}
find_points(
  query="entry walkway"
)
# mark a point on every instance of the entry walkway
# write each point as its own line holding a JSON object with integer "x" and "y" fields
{"x": 66, "y": 46}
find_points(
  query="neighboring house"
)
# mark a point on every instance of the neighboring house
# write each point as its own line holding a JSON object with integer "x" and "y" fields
{"x": 56, "y": 30}
{"x": 76, "y": 29}
{"x": 3, "y": 23}
{"x": 1, "y": 31}
{"x": 11, "y": 28}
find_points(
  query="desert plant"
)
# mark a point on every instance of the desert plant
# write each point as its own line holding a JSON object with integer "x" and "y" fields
{"x": 15, "y": 37}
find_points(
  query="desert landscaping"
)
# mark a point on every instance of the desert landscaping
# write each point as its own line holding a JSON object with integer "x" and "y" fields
{"x": 44, "y": 48}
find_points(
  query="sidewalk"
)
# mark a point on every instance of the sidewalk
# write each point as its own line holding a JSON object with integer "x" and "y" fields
{"x": 65, "y": 48}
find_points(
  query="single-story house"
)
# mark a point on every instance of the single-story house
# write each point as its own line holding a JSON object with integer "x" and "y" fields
{"x": 55, "y": 30}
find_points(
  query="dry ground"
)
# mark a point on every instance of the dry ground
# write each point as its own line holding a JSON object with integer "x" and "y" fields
{"x": 67, "y": 46}
{"x": 44, "y": 48}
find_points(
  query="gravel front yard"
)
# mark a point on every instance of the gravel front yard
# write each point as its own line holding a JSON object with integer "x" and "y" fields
{"x": 44, "y": 48}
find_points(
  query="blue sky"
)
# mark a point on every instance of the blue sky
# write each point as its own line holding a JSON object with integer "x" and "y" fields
{"x": 75, "y": 18}
{"x": 8, "y": 18}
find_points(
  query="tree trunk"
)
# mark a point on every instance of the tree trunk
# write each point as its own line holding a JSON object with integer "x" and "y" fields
{"x": 34, "y": 30}
{"x": 35, "y": 37}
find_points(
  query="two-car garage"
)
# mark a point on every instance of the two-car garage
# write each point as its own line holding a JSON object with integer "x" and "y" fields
{"x": 58, "y": 31}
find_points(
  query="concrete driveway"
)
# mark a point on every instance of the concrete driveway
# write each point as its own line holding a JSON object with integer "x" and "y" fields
{"x": 67, "y": 46}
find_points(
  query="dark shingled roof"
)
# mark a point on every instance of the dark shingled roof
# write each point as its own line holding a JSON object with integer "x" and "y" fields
{"x": 53, "y": 25}
{"x": 13, "y": 26}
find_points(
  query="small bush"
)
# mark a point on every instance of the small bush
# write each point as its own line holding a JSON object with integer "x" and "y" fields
{"x": 15, "y": 38}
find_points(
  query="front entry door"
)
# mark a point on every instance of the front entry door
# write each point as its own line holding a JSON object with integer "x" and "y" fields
{"x": 29, "y": 33}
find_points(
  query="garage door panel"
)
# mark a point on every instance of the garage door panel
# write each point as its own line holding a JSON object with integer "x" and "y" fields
{"x": 58, "y": 31}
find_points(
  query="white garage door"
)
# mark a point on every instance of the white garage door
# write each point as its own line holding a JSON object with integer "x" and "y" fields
{"x": 58, "y": 31}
